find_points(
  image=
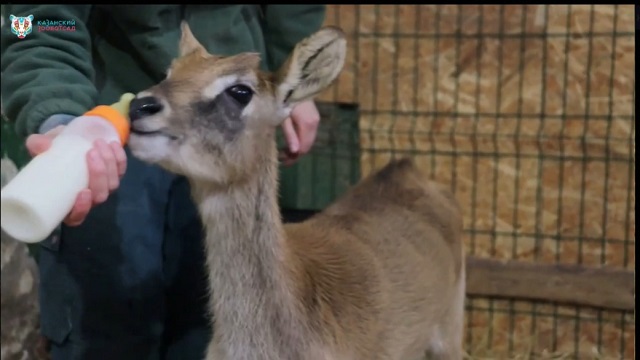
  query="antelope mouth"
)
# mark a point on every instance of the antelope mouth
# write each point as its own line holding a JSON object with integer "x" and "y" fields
{"x": 159, "y": 132}
{"x": 146, "y": 133}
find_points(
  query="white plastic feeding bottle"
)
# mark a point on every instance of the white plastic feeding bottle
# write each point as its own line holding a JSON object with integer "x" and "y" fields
{"x": 43, "y": 193}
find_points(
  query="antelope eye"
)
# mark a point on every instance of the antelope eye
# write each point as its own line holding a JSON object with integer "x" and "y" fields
{"x": 240, "y": 93}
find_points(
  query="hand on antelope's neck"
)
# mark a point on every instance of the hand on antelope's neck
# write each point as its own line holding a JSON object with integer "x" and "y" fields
{"x": 300, "y": 130}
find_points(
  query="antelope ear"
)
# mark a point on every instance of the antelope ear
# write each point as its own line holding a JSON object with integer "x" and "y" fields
{"x": 314, "y": 64}
{"x": 188, "y": 42}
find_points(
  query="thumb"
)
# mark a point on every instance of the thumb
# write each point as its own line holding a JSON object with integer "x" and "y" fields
{"x": 37, "y": 144}
{"x": 291, "y": 136}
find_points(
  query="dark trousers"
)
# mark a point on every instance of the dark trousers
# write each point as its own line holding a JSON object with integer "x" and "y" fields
{"x": 130, "y": 282}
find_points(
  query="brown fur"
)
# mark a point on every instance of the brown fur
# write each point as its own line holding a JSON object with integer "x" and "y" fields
{"x": 377, "y": 275}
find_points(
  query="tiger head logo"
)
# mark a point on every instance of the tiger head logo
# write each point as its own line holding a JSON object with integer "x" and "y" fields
{"x": 21, "y": 26}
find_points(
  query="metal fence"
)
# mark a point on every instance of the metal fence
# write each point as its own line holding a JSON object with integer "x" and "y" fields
{"x": 527, "y": 111}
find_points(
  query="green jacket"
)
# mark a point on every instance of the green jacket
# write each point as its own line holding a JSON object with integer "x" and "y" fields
{"x": 127, "y": 48}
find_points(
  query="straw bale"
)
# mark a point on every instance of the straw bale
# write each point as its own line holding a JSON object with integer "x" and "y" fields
{"x": 534, "y": 134}
{"x": 506, "y": 329}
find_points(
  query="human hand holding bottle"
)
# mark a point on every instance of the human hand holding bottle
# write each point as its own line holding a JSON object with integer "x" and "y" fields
{"x": 107, "y": 164}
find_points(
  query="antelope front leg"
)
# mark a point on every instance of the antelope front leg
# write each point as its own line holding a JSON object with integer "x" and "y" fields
{"x": 453, "y": 353}
{"x": 213, "y": 351}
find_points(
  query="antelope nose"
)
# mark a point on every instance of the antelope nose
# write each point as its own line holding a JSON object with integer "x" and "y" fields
{"x": 143, "y": 107}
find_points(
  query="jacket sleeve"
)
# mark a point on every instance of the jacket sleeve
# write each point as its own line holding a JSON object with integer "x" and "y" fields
{"x": 285, "y": 26}
{"x": 47, "y": 72}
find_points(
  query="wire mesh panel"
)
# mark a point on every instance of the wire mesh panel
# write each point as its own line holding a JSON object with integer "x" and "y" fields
{"x": 527, "y": 111}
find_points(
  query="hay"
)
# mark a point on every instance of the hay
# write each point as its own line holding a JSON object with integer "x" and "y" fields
{"x": 507, "y": 329}
{"x": 485, "y": 114}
